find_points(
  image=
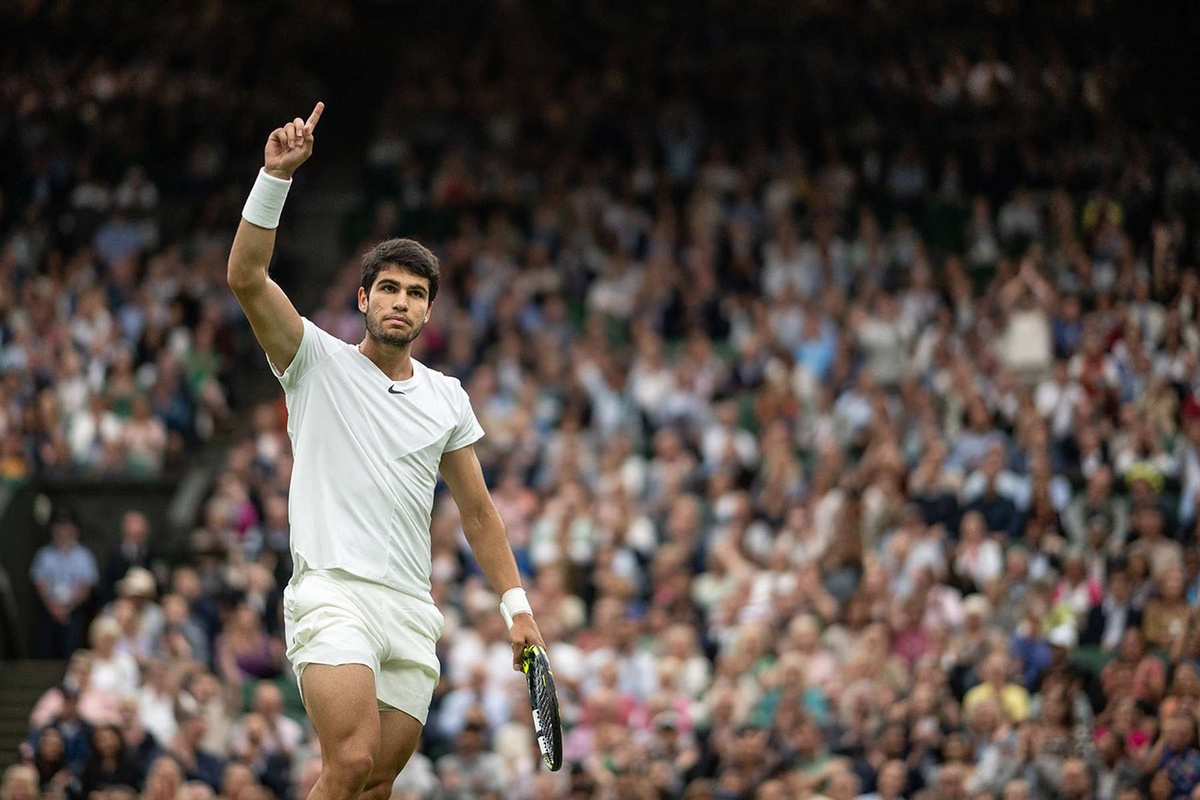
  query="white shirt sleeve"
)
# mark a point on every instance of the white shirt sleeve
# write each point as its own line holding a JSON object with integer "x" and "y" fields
{"x": 468, "y": 430}
{"x": 315, "y": 346}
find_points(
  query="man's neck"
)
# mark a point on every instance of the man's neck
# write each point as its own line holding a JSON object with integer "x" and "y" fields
{"x": 395, "y": 361}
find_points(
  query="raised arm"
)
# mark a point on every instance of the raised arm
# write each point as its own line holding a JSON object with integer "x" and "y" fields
{"x": 275, "y": 321}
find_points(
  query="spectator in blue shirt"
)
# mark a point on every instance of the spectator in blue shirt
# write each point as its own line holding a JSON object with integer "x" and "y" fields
{"x": 818, "y": 347}
{"x": 65, "y": 575}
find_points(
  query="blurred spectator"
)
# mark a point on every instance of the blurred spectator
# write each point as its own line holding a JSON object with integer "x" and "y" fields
{"x": 55, "y": 767}
{"x": 133, "y": 550}
{"x": 1012, "y": 698}
{"x": 254, "y": 748}
{"x": 244, "y": 651}
{"x": 109, "y": 763}
{"x": 186, "y": 748}
{"x": 471, "y": 770}
{"x": 65, "y": 575}
{"x": 165, "y": 779}
{"x": 1107, "y": 621}
{"x": 279, "y": 734}
{"x": 113, "y": 671}
{"x": 141, "y": 745}
{"x": 20, "y": 782}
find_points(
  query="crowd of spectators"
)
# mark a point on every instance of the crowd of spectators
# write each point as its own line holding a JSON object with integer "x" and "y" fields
{"x": 847, "y": 433}
{"x": 125, "y": 137}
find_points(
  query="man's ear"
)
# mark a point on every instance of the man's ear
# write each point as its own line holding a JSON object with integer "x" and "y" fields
{"x": 362, "y": 300}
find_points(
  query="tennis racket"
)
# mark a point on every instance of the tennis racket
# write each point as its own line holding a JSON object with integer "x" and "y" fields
{"x": 543, "y": 697}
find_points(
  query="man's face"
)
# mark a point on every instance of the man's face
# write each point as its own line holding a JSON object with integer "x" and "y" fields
{"x": 397, "y": 306}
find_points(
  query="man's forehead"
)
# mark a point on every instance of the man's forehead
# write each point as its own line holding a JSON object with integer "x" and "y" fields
{"x": 401, "y": 275}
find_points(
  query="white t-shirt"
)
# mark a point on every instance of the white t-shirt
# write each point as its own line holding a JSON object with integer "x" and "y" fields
{"x": 367, "y": 451}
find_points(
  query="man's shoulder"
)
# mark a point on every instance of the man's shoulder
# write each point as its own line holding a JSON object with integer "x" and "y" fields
{"x": 321, "y": 340}
{"x": 440, "y": 385}
{"x": 434, "y": 376}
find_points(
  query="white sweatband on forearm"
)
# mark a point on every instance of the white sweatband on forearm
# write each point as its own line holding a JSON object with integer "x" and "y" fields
{"x": 265, "y": 203}
{"x": 514, "y": 602}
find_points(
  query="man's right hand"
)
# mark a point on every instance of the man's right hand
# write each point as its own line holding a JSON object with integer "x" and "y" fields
{"x": 291, "y": 145}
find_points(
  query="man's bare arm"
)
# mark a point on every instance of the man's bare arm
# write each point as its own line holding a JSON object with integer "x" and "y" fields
{"x": 480, "y": 520}
{"x": 274, "y": 319}
{"x": 488, "y": 539}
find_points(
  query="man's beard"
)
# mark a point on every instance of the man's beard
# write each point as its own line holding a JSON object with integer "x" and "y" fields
{"x": 396, "y": 338}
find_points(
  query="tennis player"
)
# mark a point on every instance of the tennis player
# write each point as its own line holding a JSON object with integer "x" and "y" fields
{"x": 371, "y": 429}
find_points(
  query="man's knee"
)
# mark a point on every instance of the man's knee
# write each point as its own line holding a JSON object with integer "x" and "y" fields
{"x": 379, "y": 787}
{"x": 350, "y": 765}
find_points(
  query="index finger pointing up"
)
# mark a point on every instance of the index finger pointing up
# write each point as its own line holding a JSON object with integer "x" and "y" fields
{"x": 314, "y": 117}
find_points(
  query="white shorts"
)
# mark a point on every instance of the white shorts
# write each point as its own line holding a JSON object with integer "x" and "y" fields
{"x": 331, "y": 617}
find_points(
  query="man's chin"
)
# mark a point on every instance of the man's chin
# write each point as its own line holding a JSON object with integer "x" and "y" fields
{"x": 394, "y": 339}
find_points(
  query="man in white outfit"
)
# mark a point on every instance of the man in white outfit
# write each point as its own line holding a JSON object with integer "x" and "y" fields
{"x": 371, "y": 430}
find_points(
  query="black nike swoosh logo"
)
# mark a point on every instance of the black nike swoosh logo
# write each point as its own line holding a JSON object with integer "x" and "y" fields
{"x": 394, "y": 390}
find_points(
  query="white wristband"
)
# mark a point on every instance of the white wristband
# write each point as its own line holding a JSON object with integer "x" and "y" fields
{"x": 512, "y": 603}
{"x": 265, "y": 203}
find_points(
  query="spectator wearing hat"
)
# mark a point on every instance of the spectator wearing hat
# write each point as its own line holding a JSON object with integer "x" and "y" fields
{"x": 65, "y": 575}
{"x": 140, "y": 588}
